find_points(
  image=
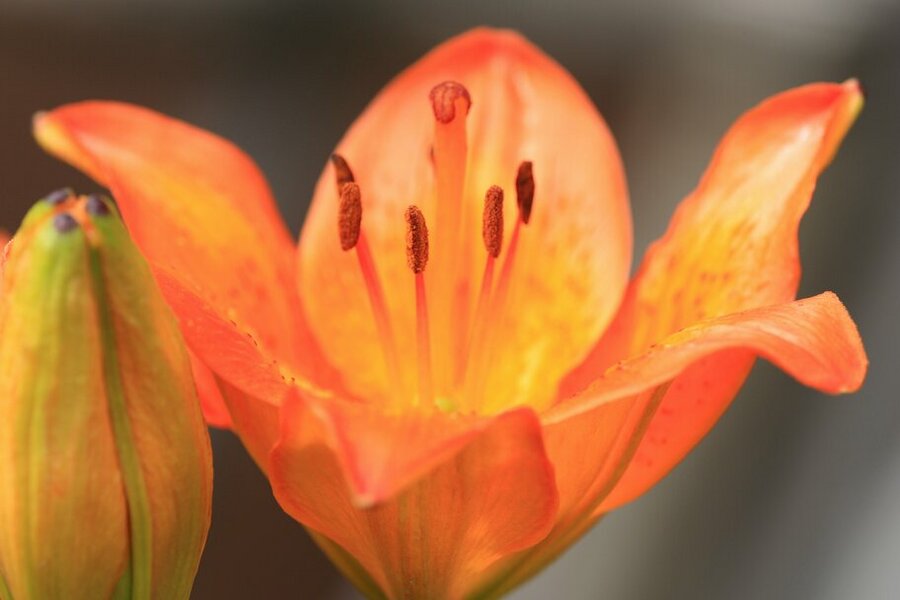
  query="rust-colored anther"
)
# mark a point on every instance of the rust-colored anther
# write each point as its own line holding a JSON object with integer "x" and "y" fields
{"x": 342, "y": 173}
{"x": 525, "y": 190}
{"x": 349, "y": 215}
{"x": 416, "y": 239}
{"x": 492, "y": 221}
{"x": 443, "y": 98}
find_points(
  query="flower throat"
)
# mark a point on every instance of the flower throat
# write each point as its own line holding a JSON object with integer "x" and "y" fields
{"x": 456, "y": 384}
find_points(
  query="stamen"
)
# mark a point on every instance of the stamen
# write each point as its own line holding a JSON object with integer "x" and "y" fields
{"x": 351, "y": 236}
{"x": 497, "y": 305}
{"x": 525, "y": 190}
{"x": 417, "y": 259}
{"x": 349, "y": 215}
{"x": 342, "y": 173}
{"x": 416, "y": 239}
{"x": 450, "y": 103}
{"x": 492, "y": 233}
{"x": 492, "y": 221}
{"x": 524, "y": 200}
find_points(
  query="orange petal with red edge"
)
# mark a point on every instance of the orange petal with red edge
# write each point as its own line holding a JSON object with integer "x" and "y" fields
{"x": 574, "y": 255}
{"x": 814, "y": 340}
{"x": 468, "y": 507}
{"x": 202, "y": 214}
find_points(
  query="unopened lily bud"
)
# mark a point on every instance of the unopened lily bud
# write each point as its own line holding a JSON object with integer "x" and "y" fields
{"x": 105, "y": 465}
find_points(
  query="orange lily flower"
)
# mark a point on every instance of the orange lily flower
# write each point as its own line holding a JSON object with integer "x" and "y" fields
{"x": 448, "y": 413}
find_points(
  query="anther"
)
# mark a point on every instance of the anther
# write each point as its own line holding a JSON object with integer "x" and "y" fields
{"x": 59, "y": 196}
{"x": 417, "y": 258}
{"x": 443, "y": 98}
{"x": 349, "y": 215}
{"x": 352, "y": 236}
{"x": 64, "y": 222}
{"x": 492, "y": 223}
{"x": 96, "y": 205}
{"x": 492, "y": 232}
{"x": 416, "y": 239}
{"x": 343, "y": 174}
{"x": 525, "y": 190}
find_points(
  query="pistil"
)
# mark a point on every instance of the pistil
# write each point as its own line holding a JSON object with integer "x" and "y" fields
{"x": 450, "y": 102}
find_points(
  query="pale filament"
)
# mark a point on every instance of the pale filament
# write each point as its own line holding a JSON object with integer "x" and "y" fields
{"x": 417, "y": 259}
{"x": 379, "y": 309}
{"x": 352, "y": 236}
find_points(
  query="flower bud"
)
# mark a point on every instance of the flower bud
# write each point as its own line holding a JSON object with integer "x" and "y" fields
{"x": 105, "y": 465}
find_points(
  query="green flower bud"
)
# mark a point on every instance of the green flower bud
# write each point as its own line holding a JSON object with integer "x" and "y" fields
{"x": 105, "y": 465}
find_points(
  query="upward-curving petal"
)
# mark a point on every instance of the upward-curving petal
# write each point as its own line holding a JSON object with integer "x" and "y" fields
{"x": 203, "y": 215}
{"x": 731, "y": 246}
{"x": 573, "y": 257}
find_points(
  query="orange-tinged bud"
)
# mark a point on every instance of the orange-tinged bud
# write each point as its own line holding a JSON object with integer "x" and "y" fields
{"x": 106, "y": 482}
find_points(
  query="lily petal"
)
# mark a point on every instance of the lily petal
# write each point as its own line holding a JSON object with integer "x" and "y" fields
{"x": 813, "y": 339}
{"x": 469, "y": 504}
{"x": 204, "y": 217}
{"x": 731, "y": 246}
{"x": 211, "y": 402}
{"x": 573, "y": 257}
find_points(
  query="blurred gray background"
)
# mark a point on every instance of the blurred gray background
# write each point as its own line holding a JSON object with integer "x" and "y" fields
{"x": 794, "y": 494}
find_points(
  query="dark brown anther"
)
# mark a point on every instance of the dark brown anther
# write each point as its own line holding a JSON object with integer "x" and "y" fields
{"x": 525, "y": 190}
{"x": 64, "y": 222}
{"x": 59, "y": 196}
{"x": 96, "y": 205}
{"x": 350, "y": 215}
{"x": 443, "y": 98}
{"x": 416, "y": 239}
{"x": 492, "y": 221}
{"x": 343, "y": 174}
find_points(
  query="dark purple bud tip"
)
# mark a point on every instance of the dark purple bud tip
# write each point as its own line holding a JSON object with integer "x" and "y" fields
{"x": 59, "y": 196}
{"x": 96, "y": 205}
{"x": 64, "y": 222}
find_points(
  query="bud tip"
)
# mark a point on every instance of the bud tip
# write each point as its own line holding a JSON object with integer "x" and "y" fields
{"x": 64, "y": 222}
{"x": 59, "y": 196}
{"x": 96, "y": 206}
